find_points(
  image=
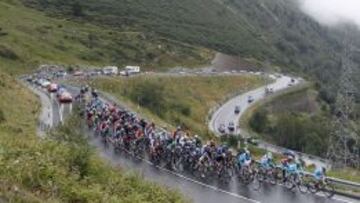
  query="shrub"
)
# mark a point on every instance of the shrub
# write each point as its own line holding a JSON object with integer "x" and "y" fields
{"x": 151, "y": 95}
{"x": 8, "y": 53}
{"x": 259, "y": 121}
{"x": 2, "y": 117}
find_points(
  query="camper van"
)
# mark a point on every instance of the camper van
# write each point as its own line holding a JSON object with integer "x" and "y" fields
{"x": 132, "y": 69}
{"x": 110, "y": 70}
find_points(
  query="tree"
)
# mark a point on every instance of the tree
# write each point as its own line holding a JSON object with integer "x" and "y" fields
{"x": 344, "y": 142}
{"x": 259, "y": 121}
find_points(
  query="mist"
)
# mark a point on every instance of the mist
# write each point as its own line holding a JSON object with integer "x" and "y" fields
{"x": 333, "y": 12}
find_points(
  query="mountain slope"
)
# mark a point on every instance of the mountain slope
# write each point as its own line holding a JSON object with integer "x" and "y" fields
{"x": 265, "y": 30}
{"x": 29, "y": 38}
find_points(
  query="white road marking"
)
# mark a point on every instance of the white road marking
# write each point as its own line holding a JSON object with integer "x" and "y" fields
{"x": 70, "y": 106}
{"x": 61, "y": 111}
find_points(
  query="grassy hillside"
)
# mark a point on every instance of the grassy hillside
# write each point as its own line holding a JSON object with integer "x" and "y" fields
{"x": 182, "y": 101}
{"x": 275, "y": 31}
{"x": 61, "y": 169}
{"x": 29, "y": 38}
{"x": 295, "y": 120}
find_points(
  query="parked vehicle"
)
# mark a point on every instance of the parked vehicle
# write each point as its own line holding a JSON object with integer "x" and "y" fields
{"x": 52, "y": 88}
{"x": 45, "y": 83}
{"x": 237, "y": 109}
{"x": 59, "y": 92}
{"x": 231, "y": 126}
{"x": 111, "y": 70}
{"x": 78, "y": 73}
{"x": 250, "y": 99}
{"x": 222, "y": 128}
{"x": 132, "y": 69}
{"x": 65, "y": 97}
{"x": 269, "y": 90}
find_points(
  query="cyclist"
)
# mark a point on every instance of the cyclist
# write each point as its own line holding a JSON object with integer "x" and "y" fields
{"x": 266, "y": 161}
{"x": 319, "y": 175}
{"x": 244, "y": 159}
{"x": 293, "y": 168}
{"x": 197, "y": 141}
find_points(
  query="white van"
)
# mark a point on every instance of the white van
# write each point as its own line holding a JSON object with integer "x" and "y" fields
{"x": 132, "y": 69}
{"x": 110, "y": 70}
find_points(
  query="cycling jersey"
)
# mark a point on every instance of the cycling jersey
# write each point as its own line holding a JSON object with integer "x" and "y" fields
{"x": 318, "y": 174}
{"x": 266, "y": 162}
{"x": 244, "y": 159}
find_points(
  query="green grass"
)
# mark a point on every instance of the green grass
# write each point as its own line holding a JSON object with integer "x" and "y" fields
{"x": 184, "y": 101}
{"x": 273, "y": 31}
{"x": 63, "y": 167}
{"x": 347, "y": 174}
{"x": 28, "y": 38}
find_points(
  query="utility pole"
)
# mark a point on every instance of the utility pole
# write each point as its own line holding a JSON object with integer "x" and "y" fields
{"x": 344, "y": 140}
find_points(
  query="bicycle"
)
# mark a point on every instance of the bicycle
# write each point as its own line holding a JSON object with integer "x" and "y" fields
{"x": 325, "y": 187}
{"x": 295, "y": 180}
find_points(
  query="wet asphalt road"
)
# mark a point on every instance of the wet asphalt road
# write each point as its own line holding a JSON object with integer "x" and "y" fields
{"x": 225, "y": 113}
{"x": 190, "y": 187}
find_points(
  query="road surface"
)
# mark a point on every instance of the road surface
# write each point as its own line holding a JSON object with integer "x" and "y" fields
{"x": 199, "y": 191}
{"x": 225, "y": 113}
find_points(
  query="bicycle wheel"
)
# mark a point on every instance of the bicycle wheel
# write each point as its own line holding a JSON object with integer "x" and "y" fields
{"x": 328, "y": 190}
{"x": 290, "y": 183}
{"x": 272, "y": 179}
{"x": 257, "y": 182}
{"x": 303, "y": 188}
{"x": 312, "y": 187}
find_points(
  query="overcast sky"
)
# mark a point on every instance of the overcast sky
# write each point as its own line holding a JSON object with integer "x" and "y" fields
{"x": 333, "y": 12}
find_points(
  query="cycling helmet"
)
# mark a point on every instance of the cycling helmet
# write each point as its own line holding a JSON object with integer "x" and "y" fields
{"x": 198, "y": 150}
{"x": 225, "y": 148}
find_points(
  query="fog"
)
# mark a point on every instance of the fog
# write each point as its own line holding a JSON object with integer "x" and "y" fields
{"x": 333, "y": 12}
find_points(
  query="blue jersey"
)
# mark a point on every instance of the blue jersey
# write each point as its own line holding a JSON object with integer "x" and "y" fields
{"x": 243, "y": 158}
{"x": 291, "y": 168}
{"x": 266, "y": 162}
{"x": 318, "y": 174}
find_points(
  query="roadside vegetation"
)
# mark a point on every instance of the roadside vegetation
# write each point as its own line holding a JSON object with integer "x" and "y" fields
{"x": 61, "y": 168}
{"x": 183, "y": 101}
{"x": 295, "y": 120}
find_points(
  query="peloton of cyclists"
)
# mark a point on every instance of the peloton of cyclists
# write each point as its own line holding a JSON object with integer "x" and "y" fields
{"x": 121, "y": 126}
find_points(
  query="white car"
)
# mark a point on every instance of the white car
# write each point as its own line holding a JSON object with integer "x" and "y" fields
{"x": 269, "y": 90}
{"x": 237, "y": 109}
{"x": 45, "y": 83}
{"x": 231, "y": 126}
{"x": 251, "y": 99}
{"x": 222, "y": 128}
